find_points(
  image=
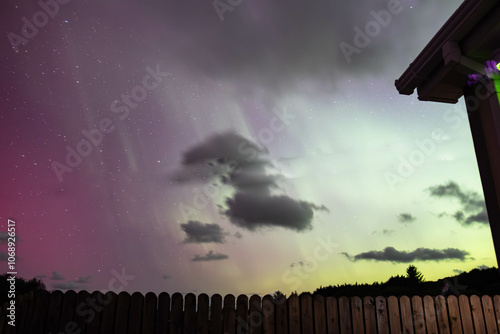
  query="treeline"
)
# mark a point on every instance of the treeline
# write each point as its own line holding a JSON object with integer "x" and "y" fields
{"x": 475, "y": 282}
{"x": 22, "y": 286}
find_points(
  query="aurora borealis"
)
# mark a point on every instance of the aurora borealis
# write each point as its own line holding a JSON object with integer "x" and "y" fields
{"x": 230, "y": 147}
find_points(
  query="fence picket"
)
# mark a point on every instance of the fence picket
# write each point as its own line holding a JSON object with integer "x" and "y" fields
{"x": 465, "y": 314}
{"x": 406, "y": 315}
{"x": 176, "y": 314}
{"x": 122, "y": 311}
{"x": 369, "y": 315}
{"x": 357, "y": 315}
{"x": 109, "y": 312}
{"x": 496, "y": 305}
{"x": 393, "y": 313}
{"x": 79, "y": 317}
{"x": 149, "y": 313}
{"x": 442, "y": 315}
{"x": 202, "y": 316}
{"x": 216, "y": 314}
{"x": 382, "y": 319}
{"x": 306, "y": 313}
{"x": 332, "y": 315}
{"x": 418, "y": 315}
{"x": 477, "y": 314}
{"x": 135, "y": 313}
{"x": 281, "y": 309}
{"x": 345, "y": 316}
{"x": 489, "y": 315}
{"x": 255, "y": 318}
{"x": 163, "y": 314}
{"x": 229, "y": 315}
{"x": 94, "y": 310}
{"x": 430, "y": 315}
{"x": 294, "y": 314}
{"x": 268, "y": 312}
{"x": 319, "y": 314}
{"x": 189, "y": 321}
{"x": 242, "y": 314}
{"x": 454, "y": 312}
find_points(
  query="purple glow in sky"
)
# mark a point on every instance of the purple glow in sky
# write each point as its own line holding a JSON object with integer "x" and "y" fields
{"x": 200, "y": 149}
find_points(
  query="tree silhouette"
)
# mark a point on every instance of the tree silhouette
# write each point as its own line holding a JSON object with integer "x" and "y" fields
{"x": 414, "y": 275}
{"x": 279, "y": 297}
{"x": 22, "y": 286}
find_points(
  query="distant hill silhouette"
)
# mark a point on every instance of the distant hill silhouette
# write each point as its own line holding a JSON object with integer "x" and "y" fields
{"x": 475, "y": 282}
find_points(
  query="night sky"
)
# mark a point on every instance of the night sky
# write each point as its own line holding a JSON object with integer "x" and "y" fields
{"x": 230, "y": 147}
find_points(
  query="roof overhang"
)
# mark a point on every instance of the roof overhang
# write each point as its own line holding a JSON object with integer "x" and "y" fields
{"x": 462, "y": 46}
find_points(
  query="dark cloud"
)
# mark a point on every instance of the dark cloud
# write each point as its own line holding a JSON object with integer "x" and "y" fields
{"x": 473, "y": 208}
{"x": 56, "y": 276}
{"x": 244, "y": 167}
{"x": 458, "y": 271}
{"x": 420, "y": 254}
{"x": 294, "y": 39}
{"x": 482, "y": 267}
{"x": 222, "y": 149}
{"x": 166, "y": 277}
{"x": 252, "y": 211}
{"x": 197, "y": 232}
{"x": 227, "y": 159}
{"x": 238, "y": 235}
{"x": 406, "y": 218}
{"x": 210, "y": 256}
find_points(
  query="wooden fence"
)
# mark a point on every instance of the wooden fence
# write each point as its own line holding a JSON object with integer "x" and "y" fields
{"x": 84, "y": 313}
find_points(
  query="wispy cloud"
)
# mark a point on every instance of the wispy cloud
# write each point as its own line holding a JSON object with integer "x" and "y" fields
{"x": 56, "y": 276}
{"x": 210, "y": 256}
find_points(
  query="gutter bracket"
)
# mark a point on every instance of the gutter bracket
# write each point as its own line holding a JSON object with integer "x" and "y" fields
{"x": 453, "y": 54}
